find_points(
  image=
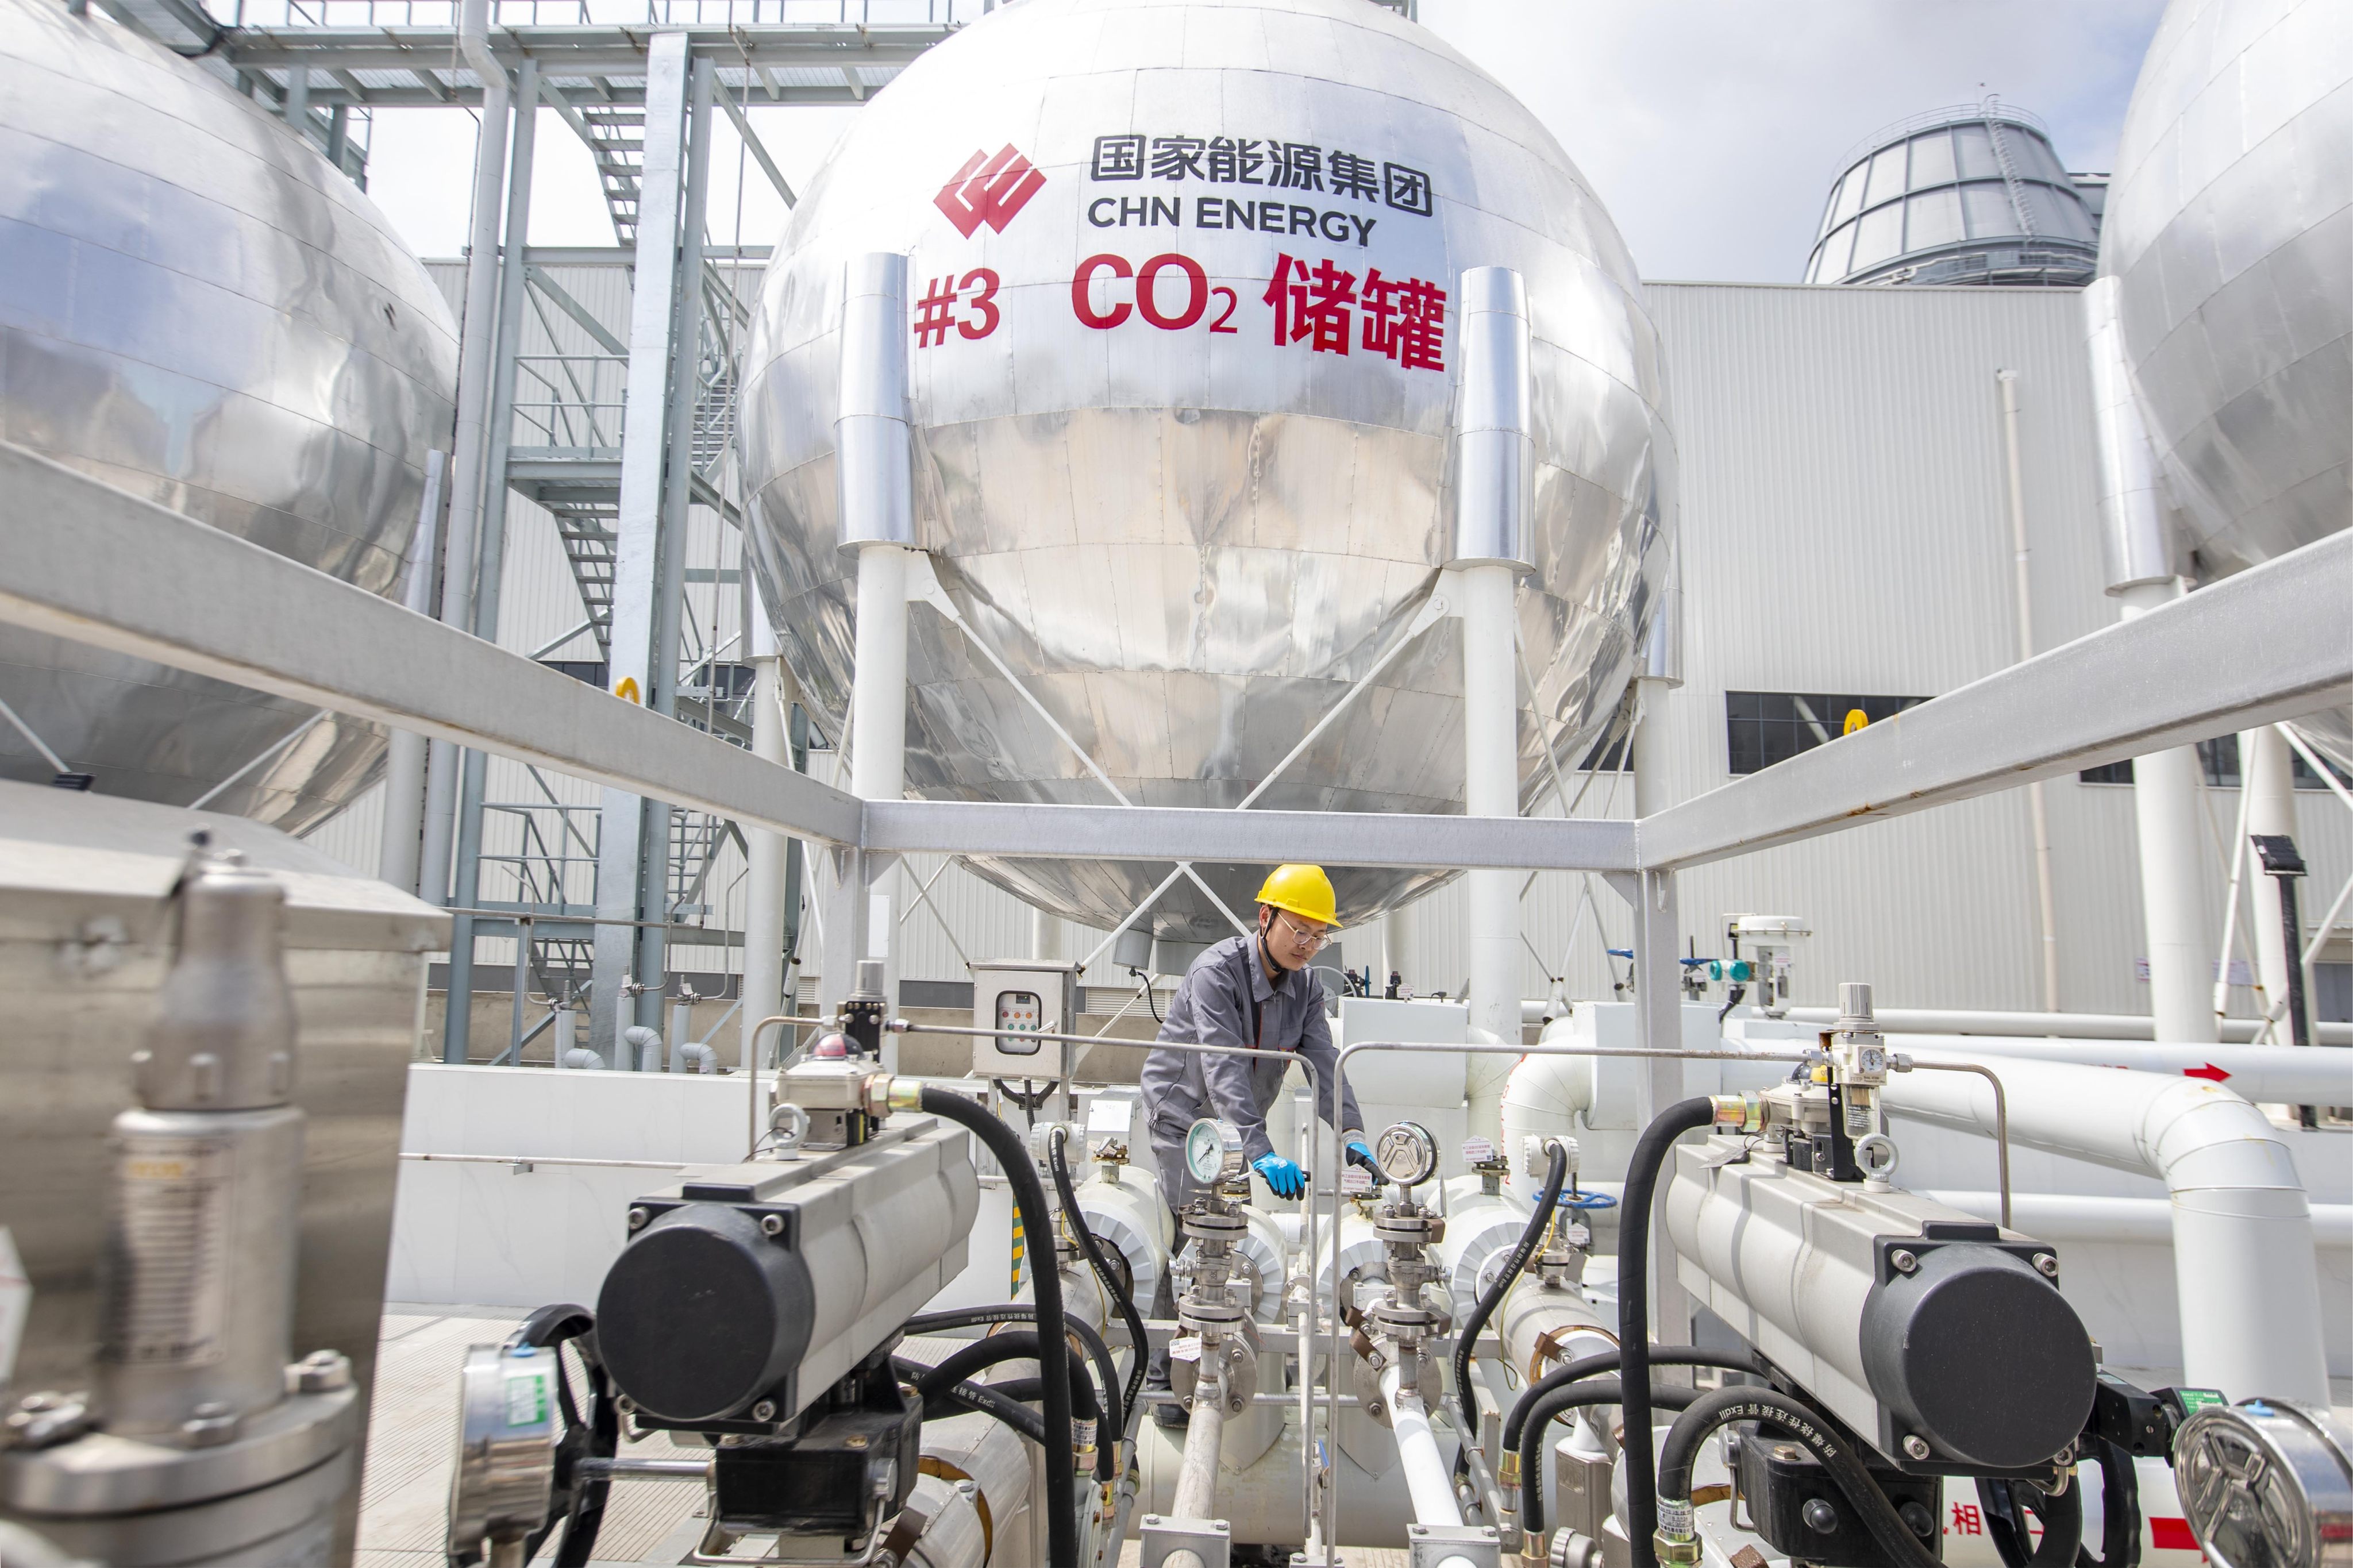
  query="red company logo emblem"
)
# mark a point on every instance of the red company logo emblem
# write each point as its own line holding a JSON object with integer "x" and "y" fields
{"x": 989, "y": 192}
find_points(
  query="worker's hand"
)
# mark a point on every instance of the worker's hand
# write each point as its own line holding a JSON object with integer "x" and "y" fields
{"x": 1280, "y": 1175}
{"x": 1358, "y": 1153}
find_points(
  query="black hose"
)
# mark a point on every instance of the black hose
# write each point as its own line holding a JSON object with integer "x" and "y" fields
{"x": 1053, "y": 1349}
{"x": 1605, "y": 1362}
{"x": 2062, "y": 1522}
{"x": 1634, "y": 1312}
{"x": 1805, "y": 1424}
{"x": 1556, "y": 1175}
{"x": 579, "y": 1502}
{"x": 988, "y": 1400}
{"x": 933, "y": 1383}
{"x": 2119, "y": 1511}
{"x": 1139, "y": 1343}
{"x": 1594, "y": 1391}
{"x": 1106, "y": 1369}
{"x": 1019, "y": 1344}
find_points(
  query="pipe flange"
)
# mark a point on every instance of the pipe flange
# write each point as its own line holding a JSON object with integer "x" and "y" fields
{"x": 1237, "y": 1352}
{"x": 1208, "y": 1227}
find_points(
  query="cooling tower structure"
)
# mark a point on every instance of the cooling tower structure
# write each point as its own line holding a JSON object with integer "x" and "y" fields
{"x": 1188, "y": 307}
{"x": 2230, "y": 235}
{"x": 1973, "y": 194}
{"x": 194, "y": 306}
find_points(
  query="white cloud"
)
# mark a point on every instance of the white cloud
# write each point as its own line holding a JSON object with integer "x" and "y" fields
{"x": 1711, "y": 129}
{"x": 421, "y": 163}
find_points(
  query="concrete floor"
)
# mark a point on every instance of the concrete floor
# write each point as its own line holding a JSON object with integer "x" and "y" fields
{"x": 405, "y": 1500}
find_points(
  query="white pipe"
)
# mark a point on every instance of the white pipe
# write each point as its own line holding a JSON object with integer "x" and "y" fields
{"x": 2242, "y": 1233}
{"x": 642, "y": 1047}
{"x": 2264, "y": 1075}
{"x": 1205, "y": 1432}
{"x": 2046, "y": 900}
{"x": 2071, "y": 1216}
{"x": 581, "y": 1056}
{"x": 1426, "y": 1475}
{"x": 2067, "y": 1026}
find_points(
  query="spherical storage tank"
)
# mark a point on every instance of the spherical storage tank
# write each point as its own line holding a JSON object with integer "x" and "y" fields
{"x": 196, "y": 307}
{"x": 2229, "y": 232}
{"x": 1182, "y": 350}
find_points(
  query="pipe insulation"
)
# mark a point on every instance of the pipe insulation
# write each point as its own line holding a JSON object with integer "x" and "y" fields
{"x": 1205, "y": 1434}
{"x": 2067, "y": 1026}
{"x": 2264, "y": 1075}
{"x": 2242, "y": 1233}
{"x": 1428, "y": 1477}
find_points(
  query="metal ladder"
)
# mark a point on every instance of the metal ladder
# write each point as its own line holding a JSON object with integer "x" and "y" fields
{"x": 2010, "y": 176}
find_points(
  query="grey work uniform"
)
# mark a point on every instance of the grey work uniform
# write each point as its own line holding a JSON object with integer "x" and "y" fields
{"x": 1225, "y": 999}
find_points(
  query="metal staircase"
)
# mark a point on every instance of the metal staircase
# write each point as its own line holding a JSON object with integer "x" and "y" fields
{"x": 695, "y": 840}
{"x": 587, "y": 529}
{"x": 617, "y": 141}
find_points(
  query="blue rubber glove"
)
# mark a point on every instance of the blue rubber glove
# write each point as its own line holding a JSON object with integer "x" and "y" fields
{"x": 1280, "y": 1175}
{"x": 1362, "y": 1156}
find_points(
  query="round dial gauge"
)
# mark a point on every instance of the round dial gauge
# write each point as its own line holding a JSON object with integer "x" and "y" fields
{"x": 1213, "y": 1152}
{"x": 1407, "y": 1154}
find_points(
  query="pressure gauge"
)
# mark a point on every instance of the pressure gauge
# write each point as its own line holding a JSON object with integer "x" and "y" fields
{"x": 1405, "y": 1153}
{"x": 1213, "y": 1152}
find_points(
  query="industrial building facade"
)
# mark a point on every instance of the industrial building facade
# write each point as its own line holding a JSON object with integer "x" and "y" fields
{"x": 1844, "y": 533}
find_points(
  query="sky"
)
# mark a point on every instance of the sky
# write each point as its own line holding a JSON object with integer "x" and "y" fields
{"x": 1711, "y": 129}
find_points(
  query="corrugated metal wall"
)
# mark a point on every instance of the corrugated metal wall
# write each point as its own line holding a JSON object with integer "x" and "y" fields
{"x": 1843, "y": 531}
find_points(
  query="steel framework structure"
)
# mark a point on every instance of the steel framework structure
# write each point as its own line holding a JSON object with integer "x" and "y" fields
{"x": 617, "y": 444}
{"x": 2258, "y": 647}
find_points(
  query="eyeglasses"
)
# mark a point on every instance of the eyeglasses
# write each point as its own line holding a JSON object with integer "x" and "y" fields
{"x": 1301, "y": 938}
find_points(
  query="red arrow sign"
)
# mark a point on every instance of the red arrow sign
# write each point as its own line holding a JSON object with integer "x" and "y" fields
{"x": 2210, "y": 1072}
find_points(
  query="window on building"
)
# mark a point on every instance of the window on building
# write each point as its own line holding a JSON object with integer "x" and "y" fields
{"x": 1767, "y": 727}
{"x": 591, "y": 670}
{"x": 2332, "y": 1001}
{"x": 2219, "y": 760}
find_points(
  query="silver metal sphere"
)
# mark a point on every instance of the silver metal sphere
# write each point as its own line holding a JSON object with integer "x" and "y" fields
{"x": 2230, "y": 230}
{"x": 1190, "y": 517}
{"x": 196, "y": 307}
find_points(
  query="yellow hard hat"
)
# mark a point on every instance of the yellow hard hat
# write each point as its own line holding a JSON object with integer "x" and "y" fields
{"x": 1304, "y": 890}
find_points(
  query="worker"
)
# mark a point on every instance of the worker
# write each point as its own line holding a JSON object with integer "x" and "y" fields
{"x": 1255, "y": 991}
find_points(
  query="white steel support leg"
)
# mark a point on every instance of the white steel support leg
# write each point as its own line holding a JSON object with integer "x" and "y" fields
{"x": 2266, "y": 772}
{"x": 875, "y": 500}
{"x": 1494, "y": 459}
{"x": 764, "y": 890}
{"x": 878, "y": 759}
{"x": 1491, "y": 767}
{"x": 404, "y": 765}
{"x": 1658, "y": 1080}
{"x": 2166, "y": 811}
{"x": 621, "y": 842}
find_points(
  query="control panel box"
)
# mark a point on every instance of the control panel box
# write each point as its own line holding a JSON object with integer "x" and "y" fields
{"x": 1016, "y": 1002}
